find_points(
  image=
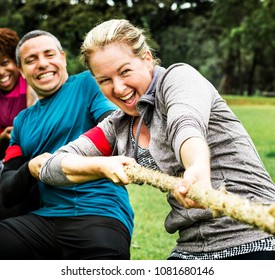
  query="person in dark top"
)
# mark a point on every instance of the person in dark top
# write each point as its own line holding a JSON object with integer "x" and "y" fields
{"x": 15, "y": 95}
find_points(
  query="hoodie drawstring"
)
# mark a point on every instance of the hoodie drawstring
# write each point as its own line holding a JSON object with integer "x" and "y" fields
{"x": 138, "y": 132}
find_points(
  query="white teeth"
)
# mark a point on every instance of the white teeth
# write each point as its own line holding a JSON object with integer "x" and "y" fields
{"x": 3, "y": 80}
{"x": 127, "y": 96}
{"x": 46, "y": 75}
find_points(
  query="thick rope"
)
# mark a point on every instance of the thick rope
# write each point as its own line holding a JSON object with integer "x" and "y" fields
{"x": 220, "y": 202}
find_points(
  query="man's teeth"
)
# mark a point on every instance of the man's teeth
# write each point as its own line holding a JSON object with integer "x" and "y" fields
{"x": 127, "y": 96}
{"x": 45, "y": 75}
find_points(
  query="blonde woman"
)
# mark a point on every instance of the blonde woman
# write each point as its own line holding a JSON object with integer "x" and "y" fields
{"x": 175, "y": 121}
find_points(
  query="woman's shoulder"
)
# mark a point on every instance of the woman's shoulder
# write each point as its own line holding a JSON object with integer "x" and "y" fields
{"x": 181, "y": 72}
{"x": 181, "y": 66}
{"x": 118, "y": 119}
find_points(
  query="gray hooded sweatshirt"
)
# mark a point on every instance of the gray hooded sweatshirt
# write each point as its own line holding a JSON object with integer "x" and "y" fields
{"x": 180, "y": 103}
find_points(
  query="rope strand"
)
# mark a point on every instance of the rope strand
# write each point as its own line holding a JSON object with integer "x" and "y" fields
{"x": 220, "y": 202}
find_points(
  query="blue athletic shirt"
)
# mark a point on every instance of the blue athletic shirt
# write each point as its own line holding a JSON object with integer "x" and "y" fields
{"x": 53, "y": 122}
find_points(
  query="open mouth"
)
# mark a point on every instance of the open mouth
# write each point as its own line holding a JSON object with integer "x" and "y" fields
{"x": 129, "y": 98}
{"x": 45, "y": 75}
{"x": 5, "y": 79}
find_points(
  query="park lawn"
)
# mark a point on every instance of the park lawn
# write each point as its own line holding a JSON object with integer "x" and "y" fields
{"x": 150, "y": 240}
{"x": 259, "y": 121}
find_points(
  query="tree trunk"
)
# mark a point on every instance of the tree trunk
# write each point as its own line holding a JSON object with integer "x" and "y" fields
{"x": 250, "y": 86}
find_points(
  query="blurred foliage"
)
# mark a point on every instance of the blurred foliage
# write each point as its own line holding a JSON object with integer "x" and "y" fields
{"x": 230, "y": 42}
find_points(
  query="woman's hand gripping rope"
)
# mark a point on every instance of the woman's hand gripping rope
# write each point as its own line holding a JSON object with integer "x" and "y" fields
{"x": 220, "y": 202}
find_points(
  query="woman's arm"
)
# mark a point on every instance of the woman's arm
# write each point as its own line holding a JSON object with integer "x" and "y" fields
{"x": 86, "y": 158}
{"x": 195, "y": 158}
{"x": 79, "y": 169}
{"x": 36, "y": 163}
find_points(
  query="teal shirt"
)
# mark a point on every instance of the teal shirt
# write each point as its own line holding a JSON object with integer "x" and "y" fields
{"x": 55, "y": 121}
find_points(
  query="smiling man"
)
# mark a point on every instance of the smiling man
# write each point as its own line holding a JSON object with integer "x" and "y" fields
{"x": 67, "y": 107}
{"x": 43, "y": 63}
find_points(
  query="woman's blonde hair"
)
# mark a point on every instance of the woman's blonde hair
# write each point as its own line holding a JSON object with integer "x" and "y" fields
{"x": 115, "y": 31}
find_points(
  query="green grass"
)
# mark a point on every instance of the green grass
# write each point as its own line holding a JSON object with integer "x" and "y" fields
{"x": 244, "y": 100}
{"x": 150, "y": 240}
{"x": 259, "y": 122}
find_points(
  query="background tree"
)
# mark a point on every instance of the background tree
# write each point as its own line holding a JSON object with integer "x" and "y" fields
{"x": 230, "y": 42}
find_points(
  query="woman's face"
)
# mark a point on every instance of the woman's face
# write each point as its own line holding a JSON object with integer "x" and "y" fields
{"x": 122, "y": 76}
{"x": 9, "y": 74}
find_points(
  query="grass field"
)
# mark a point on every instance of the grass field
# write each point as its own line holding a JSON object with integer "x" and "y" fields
{"x": 150, "y": 240}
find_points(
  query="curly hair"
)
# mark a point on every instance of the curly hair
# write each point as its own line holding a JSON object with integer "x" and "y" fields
{"x": 8, "y": 42}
